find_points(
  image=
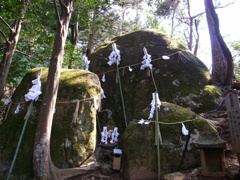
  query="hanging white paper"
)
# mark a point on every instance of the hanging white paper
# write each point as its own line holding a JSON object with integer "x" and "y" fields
{"x": 102, "y": 94}
{"x": 8, "y": 100}
{"x": 147, "y": 122}
{"x": 95, "y": 100}
{"x": 115, "y": 135}
{"x": 103, "y": 78}
{"x": 104, "y": 134}
{"x": 130, "y": 69}
{"x": 35, "y": 90}
{"x": 165, "y": 57}
{"x": 184, "y": 130}
{"x": 153, "y": 104}
{"x": 114, "y": 57}
{"x": 86, "y": 63}
{"x": 17, "y": 109}
{"x": 146, "y": 63}
{"x": 141, "y": 121}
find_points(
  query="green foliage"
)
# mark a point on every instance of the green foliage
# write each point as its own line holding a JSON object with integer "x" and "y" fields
{"x": 36, "y": 37}
{"x": 72, "y": 56}
{"x": 235, "y": 47}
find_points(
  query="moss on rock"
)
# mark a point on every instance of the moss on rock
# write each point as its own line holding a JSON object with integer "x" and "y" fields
{"x": 177, "y": 151}
{"x": 179, "y": 80}
{"x": 73, "y": 136}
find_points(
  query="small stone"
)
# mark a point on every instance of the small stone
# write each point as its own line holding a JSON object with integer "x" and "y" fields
{"x": 106, "y": 169}
{"x": 174, "y": 176}
{"x": 195, "y": 172}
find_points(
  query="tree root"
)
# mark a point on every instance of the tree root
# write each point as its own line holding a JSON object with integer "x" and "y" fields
{"x": 73, "y": 172}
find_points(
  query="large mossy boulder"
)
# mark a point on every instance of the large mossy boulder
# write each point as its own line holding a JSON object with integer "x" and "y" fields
{"x": 177, "y": 152}
{"x": 73, "y": 136}
{"x": 182, "y": 80}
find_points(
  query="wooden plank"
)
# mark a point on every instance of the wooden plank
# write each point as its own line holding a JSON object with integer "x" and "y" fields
{"x": 233, "y": 110}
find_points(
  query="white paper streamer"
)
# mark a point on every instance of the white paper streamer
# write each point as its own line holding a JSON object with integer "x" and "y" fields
{"x": 109, "y": 136}
{"x": 146, "y": 63}
{"x": 130, "y": 69}
{"x": 103, "y": 78}
{"x": 102, "y": 94}
{"x": 86, "y": 63}
{"x": 95, "y": 100}
{"x": 114, "y": 57}
{"x": 147, "y": 122}
{"x": 35, "y": 90}
{"x": 17, "y": 109}
{"x": 8, "y": 100}
{"x": 165, "y": 57}
{"x": 104, "y": 134}
{"x": 184, "y": 130}
{"x": 153, "y": 104}
{"x": 115, "y": 135}
{"x": 142, "y": 121}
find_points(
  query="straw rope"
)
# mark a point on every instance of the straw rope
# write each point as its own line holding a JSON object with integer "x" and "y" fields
{"x": 136, "y": 64}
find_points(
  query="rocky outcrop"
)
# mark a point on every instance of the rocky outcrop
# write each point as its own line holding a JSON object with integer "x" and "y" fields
{"x": 182, "y": 79}
{"x": 73, "y": 136}
{"x": 177, "y": 151}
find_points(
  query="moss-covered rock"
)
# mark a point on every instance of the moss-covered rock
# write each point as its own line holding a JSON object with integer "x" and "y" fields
{"x": 73, "y": 136}
{"x": 177, "y": 152}
{"x": 181, "y": 80}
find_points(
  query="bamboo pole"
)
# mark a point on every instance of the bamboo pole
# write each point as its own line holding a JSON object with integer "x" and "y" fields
{"x": 121, "y": 93}
{"x": 20, "y": 139}
{"x": 158, "y": 137}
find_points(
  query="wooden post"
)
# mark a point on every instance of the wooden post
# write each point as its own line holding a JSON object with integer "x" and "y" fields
{"x": 233, "y": 110}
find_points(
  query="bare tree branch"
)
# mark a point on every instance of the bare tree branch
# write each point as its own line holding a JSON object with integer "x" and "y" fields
{"x": 9, "y": 27}
{"x": 197, "y": 37}
{"x": 56, "y": 9}
{"x": 199, "y": 14}
{"x": 62, "y": 4}
{"x": 218, "y": 7}
{"x": 4, "y": 36}
{"x": 20, "y": 52}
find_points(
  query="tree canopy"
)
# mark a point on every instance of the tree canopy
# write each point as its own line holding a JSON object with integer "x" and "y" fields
{"x": 94, "y": 22}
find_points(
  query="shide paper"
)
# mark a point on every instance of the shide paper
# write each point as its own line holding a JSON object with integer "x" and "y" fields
{"x": 146, "y": 63}
{"x": 114, "y": 57}
{"x": 155, "y": 99}
{"x": 103, "y": 78}
{"x": 110, "y": 136}
{"x": 35, "y": 90}
{"x": 86, "y": 63}
{"x": 184, "y": 130}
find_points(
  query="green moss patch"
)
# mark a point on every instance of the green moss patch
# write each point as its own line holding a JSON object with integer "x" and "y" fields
{"x": 72, "y": 139}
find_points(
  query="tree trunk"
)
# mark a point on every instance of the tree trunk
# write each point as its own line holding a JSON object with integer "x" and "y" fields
{"x": 196, "y": 22}
{"x": 11, "y": 44}
{"x": 74, "y": 36}
{"x": 222, "y": 63}
{"x": 92, "y": 35}
{"x": 190, "y": 40}
{"x": 43, "y": 166}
